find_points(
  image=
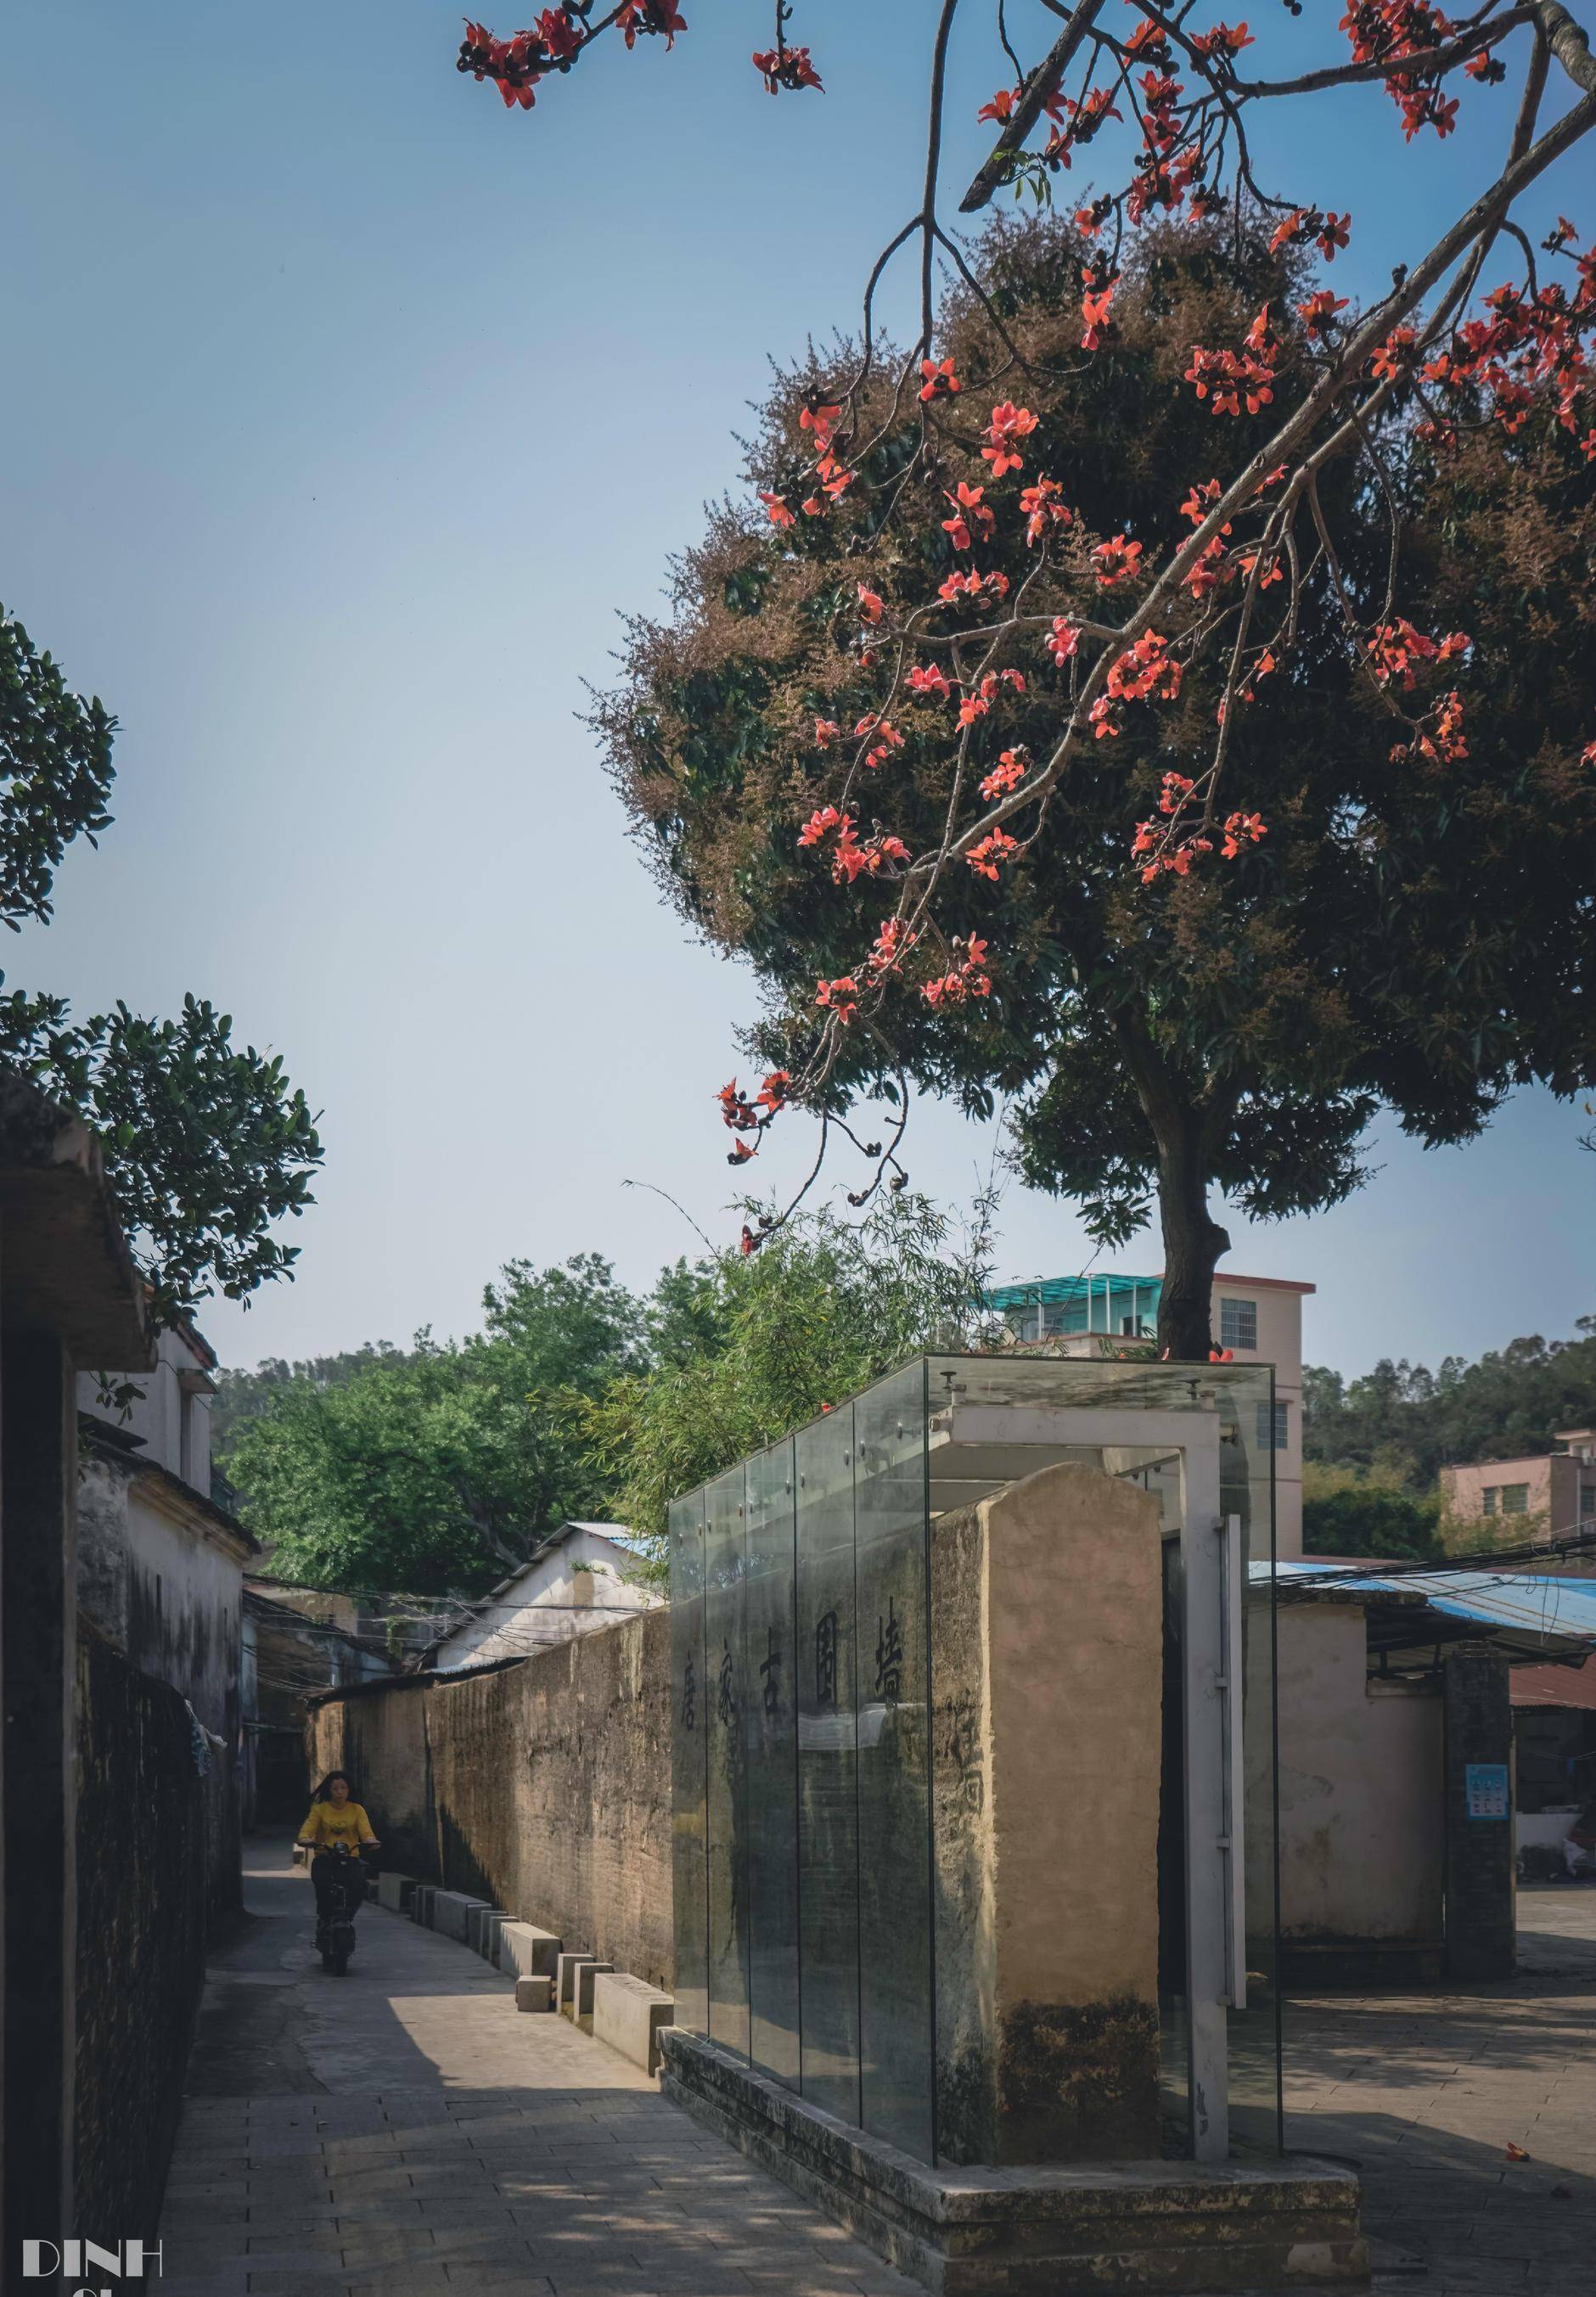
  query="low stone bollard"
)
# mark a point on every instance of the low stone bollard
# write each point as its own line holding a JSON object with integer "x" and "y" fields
{"x": 527, "y": 1952}
{"x": 450, "y": 1911}
{"x": 477, "y": 1917}
{"x": 487, "y": 1945}
{"x": 420, "y": 1903}
{"x": 628, "y": 2014}
{"x": 534, "y": 1993}
{"x": 565, "y": 1968}
{"x": 393, "y": 1891}
{"x": 579, "y": 2010}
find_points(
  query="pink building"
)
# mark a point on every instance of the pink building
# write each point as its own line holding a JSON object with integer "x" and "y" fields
{"x": 1556, "y": 1491}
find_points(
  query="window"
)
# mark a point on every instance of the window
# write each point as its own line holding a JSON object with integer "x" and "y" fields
{"x": 1489, "y": 1497}
{"x": 1515, "y": 1499}
{"x": 1587, "y": 1499}
{"x": 1238, "y": 1324}
{"x": 1271, "y": 1427}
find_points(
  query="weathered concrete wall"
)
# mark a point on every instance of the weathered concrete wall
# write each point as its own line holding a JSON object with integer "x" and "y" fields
{"x": 147, "y": 1824}
{"x": 1361, "y": 1813}
{"x": 1047, "y": 1656}
{"x": 184, "y": 1598}
{"x": 543, "y": 1786}
{"x": 164, "y": 1580}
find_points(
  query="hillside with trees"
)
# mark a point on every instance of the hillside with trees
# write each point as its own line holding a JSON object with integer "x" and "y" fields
{"x": 1373, "y": 1447}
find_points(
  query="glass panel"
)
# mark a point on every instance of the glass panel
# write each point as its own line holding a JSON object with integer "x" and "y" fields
{"x": 1043, "y": 1391}
{"x": 828, "y": 1789}
{"x": 771, "y": 1741}
{"x": 689, "y": 1877}
{"x": 896, "y": 2041}
{"x": 817, "y": 1714}
{"x": 1174, "y": 2032}
{"x": 725, "y": 1596}
{"x": 1257, "y": 2102}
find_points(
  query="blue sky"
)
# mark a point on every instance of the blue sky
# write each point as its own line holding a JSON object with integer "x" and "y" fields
{"x": 344, "y": 411}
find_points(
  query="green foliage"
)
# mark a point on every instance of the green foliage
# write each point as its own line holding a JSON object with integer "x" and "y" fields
{"x": 438, "y": 1469}
{"x": 206, "y": 1145}
{"x": 254, "y": 1394}
{"x": 1346, "y": 1512}
{"x": 55, "y": 773}
{"x": 1405, "y": 1423}
{"x": 441, "y": 1468}
{"x": 749, "y": 1348}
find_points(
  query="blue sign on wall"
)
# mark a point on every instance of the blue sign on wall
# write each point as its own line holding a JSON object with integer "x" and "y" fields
{"x": 1486, "y": 1787}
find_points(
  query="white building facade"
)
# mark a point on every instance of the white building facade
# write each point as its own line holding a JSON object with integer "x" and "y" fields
{"x": 584, "y": 1577}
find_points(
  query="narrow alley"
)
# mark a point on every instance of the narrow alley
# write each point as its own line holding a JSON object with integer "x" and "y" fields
{"x": 402, "y": 2131}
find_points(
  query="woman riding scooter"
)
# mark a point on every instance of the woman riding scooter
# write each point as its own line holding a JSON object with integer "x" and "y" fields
{"x": 336, "y": 1830}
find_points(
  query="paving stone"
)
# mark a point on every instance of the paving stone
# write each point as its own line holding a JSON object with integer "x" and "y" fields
{"x": 468, "y": 2149}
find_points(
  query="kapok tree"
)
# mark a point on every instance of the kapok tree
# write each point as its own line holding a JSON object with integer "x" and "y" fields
{"x": 1104, "y": 656}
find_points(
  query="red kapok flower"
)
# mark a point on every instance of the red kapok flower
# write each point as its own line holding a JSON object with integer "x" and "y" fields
{"x": 1095, "y": 310}
{"x": 1007, "y": 424}
{"x": 789, "y": 68}
{"x": 1116, "y": 559}
{"x": 939, "y": 379}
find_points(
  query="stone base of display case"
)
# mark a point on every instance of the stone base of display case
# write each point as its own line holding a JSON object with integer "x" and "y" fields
{"x": 1076, "y": 2232}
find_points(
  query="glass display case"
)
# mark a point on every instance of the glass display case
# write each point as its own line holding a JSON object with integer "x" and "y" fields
{"x": 801, "y": 1587}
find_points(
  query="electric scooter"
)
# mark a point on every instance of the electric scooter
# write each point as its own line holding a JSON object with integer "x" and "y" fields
{"x": 335, "y": 1931}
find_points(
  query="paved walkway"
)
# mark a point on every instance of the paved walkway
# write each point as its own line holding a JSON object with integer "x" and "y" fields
{"x": 1425, "y": 2092}
{"x": 404, "y": 2130}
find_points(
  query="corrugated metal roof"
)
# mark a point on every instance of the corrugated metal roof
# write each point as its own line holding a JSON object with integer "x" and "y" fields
{"x": 1556, "y": 1686}
{"x": 1525, "y": 1611}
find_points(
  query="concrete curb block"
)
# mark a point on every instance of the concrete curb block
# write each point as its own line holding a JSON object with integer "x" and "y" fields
{"x": 534, "y": 1993}
{"x": 450, "y": 1913}
{"x": 491, "y": 1926}
{"x": 565, "y": 1968}
{"x": 395, "y": 1892}
{"x": 627, "y": 2015}
{"x": 580, "y": 2008}
{"x": 477, "y": 1917}
{"x": 525, "y": 1951}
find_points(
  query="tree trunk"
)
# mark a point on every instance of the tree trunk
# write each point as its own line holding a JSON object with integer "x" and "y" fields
{"x": 1193, "y": 1243}
{"x": 1193, "y": 1246}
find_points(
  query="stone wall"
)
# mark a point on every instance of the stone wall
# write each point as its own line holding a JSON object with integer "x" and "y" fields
{"x": 1362, "y": 1828}
{"x": 1047, "y": 1653}
{"x": 149, "y": 1826}
{"x": 543, "y": 1785}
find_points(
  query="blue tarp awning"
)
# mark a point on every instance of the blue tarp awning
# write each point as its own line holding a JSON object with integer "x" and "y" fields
{"x": 1524, "y": 1614}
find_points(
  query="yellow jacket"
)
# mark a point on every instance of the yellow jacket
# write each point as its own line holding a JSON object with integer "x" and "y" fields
{"x": 329, "y": 1822}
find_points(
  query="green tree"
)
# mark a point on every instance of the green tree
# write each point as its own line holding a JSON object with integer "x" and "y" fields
{"x": 441, "y": 1468}
{"x": 207, "y": 1146}
{"x": 1405, "y": 1423}
{"x": 55, "y": 773}
{"x": 253, "y": 1395}
{"x": 748, "y": 1346}
{"x": 1233, "y": 1028}
{"x": 1346, "y": 1511}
